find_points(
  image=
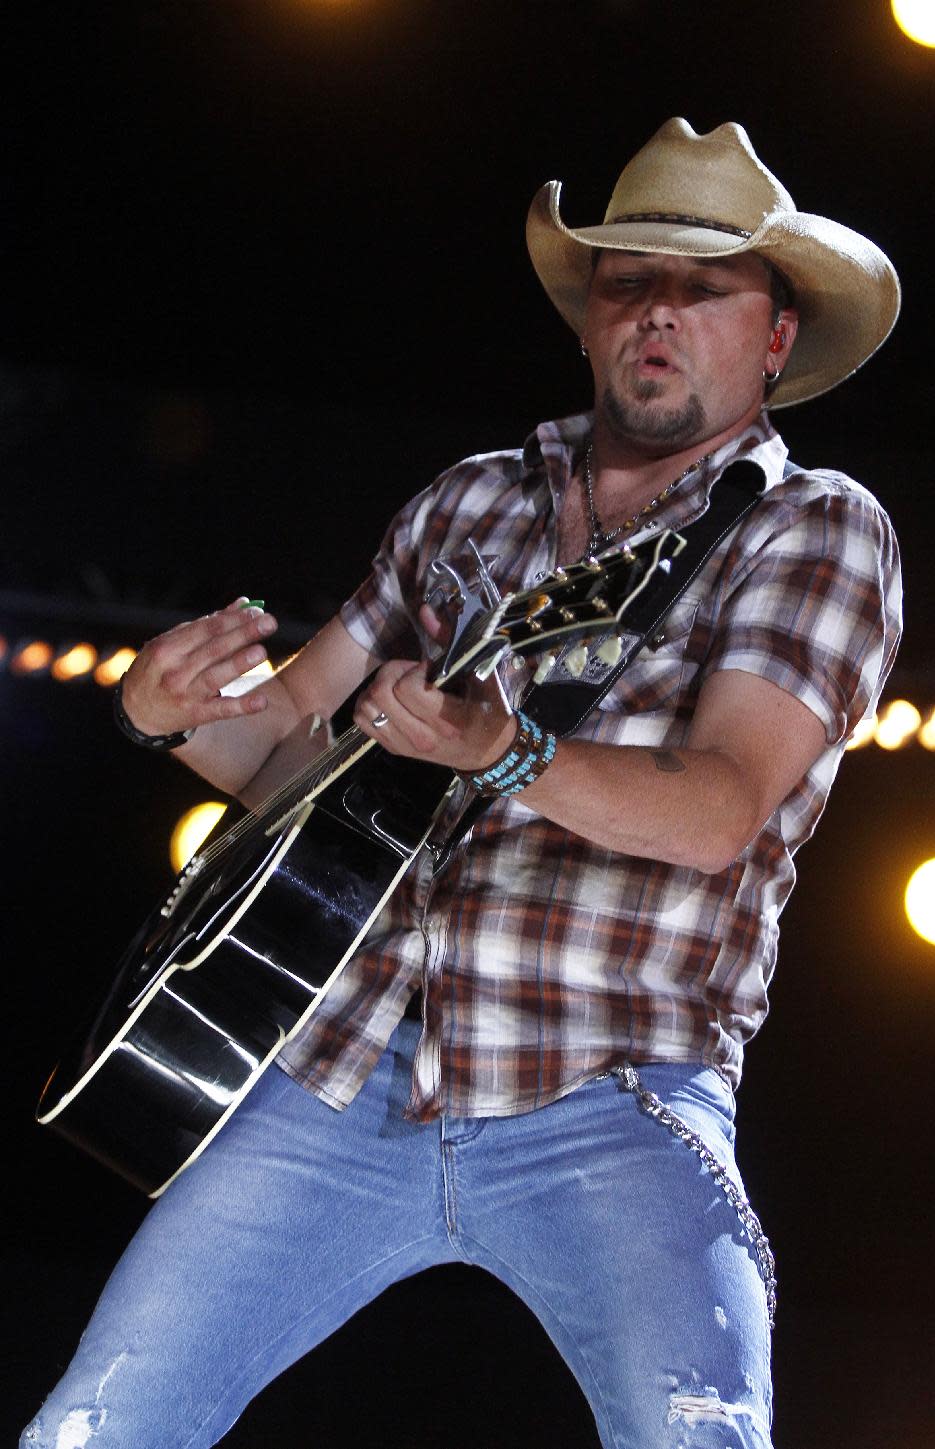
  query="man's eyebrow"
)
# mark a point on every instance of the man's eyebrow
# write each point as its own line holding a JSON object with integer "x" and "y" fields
{"x": 723, "y": 262}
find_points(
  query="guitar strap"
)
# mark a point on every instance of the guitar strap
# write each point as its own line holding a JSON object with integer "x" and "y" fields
{"x": 563, "y": 702}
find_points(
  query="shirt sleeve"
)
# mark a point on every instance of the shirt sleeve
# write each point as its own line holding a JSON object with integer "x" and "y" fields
{"x": 379, "y": 614}
{"x": 812, "y": 600}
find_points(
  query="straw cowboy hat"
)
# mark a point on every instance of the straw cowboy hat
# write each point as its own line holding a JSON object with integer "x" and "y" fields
{"x": 710, "y": 195}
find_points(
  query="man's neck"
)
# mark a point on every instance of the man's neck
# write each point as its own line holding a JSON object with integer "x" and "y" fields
{"x": 626, "y": 474}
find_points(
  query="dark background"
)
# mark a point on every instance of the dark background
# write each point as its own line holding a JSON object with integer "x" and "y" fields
{"x": 264, "y": 275}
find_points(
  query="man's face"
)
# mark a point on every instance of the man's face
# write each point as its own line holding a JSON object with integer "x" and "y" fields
{"x": 678, "y": 346}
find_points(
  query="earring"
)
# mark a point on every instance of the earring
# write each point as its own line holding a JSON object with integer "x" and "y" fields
{"x": 584, "y": 350}
{"x": 769, "y": 377}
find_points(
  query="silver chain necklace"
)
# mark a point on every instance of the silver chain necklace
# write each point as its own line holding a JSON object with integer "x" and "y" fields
{"x": 600, "y": 536}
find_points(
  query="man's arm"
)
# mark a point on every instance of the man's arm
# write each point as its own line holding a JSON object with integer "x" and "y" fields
{"x": 174, "y": 684}
{"x": 698, "y": 806}
{"x": 749, "y": 744}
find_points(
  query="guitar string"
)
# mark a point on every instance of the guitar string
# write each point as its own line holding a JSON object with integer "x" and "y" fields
{"x": 288, "y": 796}
{"x": 310, "y": 777}
{"x": 281, "y": 800}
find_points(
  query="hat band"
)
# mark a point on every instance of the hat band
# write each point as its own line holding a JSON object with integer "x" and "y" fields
{"x": 677, "y": 217}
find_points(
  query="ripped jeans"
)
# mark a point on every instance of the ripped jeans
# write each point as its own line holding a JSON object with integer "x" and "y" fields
{"x": 612, "y": 1230}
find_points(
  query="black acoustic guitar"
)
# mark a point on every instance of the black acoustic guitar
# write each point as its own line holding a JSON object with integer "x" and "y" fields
{"x": 265, "y": 916}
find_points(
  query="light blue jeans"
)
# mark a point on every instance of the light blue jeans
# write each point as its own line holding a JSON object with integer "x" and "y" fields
{"x": 611, "y": 1230}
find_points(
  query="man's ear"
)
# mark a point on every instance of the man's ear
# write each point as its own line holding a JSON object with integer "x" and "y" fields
{"x": 782, "y": 338}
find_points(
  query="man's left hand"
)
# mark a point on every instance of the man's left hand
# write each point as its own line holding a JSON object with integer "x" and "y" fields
{"x": 466, "y": 733}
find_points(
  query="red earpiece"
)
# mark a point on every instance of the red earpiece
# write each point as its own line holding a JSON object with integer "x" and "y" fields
{"x": 778, "y": 340}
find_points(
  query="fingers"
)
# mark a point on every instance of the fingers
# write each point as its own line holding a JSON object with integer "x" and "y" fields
{"x": 210, "y": 652}
{"x": 407, "y": 716}
{"x": 175, "y": 681}
{"x": 435, "y": 627}
{"x": 412, "y": 708}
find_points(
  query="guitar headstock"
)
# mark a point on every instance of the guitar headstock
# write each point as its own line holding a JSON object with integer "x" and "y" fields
{"x": 576, "y": 603}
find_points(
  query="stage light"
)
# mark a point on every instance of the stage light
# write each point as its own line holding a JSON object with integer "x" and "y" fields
{"x": 74, "y": 663}
{"x": 32, "y": 657}
{"x": 4, "y": 649}
{"x": 114, "y": 667}
{"x": 244, "y": 683}
{"x": 916, "y": 18}
{"x": 926, "y": 735}
{"x": 863, "y": 734}
{"x": 920, "y": 901}
{"x": 192, "y": 830}
{"x": 897, "y": 724}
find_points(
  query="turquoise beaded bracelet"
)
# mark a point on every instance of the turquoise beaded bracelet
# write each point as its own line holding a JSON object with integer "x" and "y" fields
{"x": 528, "y": 755}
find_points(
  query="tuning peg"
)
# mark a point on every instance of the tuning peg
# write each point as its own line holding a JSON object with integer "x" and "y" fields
{"x": 545, "y": 667}
{"x": 575, "y": 660}
{"x": 610, "y": 651}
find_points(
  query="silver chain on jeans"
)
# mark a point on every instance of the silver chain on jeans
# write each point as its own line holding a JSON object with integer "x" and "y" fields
{"x": 628, "y": 1078}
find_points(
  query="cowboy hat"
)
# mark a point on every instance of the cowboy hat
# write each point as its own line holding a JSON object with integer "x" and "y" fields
{"x": 709, "y": 195}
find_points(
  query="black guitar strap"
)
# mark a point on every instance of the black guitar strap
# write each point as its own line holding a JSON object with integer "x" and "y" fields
{"x": 562, "y": 704}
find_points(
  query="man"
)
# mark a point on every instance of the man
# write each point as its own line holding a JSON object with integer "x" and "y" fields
{"x": 593, "y": 956}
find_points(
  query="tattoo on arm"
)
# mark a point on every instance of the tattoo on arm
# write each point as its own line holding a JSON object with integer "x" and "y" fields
{"x": 668, "y": 761}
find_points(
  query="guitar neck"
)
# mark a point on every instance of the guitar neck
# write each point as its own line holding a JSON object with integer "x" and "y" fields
{"x": 302, "y": 779}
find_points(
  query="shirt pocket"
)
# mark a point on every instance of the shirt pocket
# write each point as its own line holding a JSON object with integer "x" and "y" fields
{"x": 659, "y": 675}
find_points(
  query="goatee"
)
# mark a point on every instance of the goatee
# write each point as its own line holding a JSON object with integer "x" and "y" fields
{"x": 673, "y": 426}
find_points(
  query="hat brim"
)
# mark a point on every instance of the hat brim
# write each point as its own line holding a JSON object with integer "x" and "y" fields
{"x": 846, "y": 289}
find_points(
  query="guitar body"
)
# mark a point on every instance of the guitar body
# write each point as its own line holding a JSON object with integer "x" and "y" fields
{"x": 265, "y": 917}
{"x": 214, "y": 983}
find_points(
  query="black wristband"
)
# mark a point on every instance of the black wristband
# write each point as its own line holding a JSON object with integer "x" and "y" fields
{"x": 149, "y": 742}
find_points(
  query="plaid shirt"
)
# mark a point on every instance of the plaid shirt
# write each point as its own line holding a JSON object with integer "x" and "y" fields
{"x": 544, "y": 959}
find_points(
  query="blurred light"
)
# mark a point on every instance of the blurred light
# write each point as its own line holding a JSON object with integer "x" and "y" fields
{"x": 4, "y": 648}
{"x": 916, "y": 18}
{"x": 31, "y": 658}
{"x": 192, "y": 830}
{"x": 75, "y": 662}
{"x": 115, "y": 666}
{"x": 926, "y": 735}
{"x": 245, "y": 682}
{"x": 920, "y": 901}
{"x": 863, "y": 734}
{"x": 897, "y": 724}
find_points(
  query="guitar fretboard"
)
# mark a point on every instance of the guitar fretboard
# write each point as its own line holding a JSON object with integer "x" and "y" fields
{"x": 277, "y": 809}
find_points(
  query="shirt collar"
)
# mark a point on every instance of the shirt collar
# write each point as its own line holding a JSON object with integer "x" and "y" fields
{"x": 760, "y": 443}
{"x": 558, "y": 446}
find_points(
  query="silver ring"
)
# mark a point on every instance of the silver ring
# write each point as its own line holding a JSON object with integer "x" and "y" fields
{"x": 380, "y": 720}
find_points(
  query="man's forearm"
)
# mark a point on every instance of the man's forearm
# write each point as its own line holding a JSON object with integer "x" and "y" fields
{"x": 686, "y": 807}
{"x": 232, "y": 754}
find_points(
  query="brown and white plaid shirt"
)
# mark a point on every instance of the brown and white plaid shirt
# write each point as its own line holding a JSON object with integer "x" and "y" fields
{"x": 544, "y": 959}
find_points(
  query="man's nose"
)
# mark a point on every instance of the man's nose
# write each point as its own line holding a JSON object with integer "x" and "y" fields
{"x": 662, "y": 305}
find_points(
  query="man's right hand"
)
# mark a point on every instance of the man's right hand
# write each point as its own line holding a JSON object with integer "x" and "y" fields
{"x": 175, "y": 681}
